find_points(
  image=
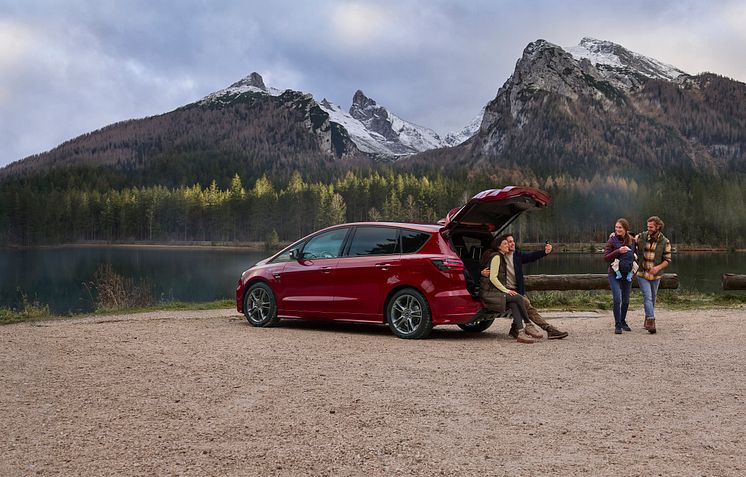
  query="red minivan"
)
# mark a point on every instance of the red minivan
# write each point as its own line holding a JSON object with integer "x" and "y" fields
{"x": 411, "y": 276}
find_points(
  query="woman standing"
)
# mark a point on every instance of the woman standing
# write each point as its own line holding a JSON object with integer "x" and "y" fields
{"x": 495, "y": 296}
{"x": 620, "y": 246}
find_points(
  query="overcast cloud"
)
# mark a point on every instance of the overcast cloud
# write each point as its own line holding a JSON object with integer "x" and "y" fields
{"x": 70, "y": 67}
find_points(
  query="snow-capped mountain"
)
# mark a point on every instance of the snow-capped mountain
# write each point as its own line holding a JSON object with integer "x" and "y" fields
{"x": 365, "y": 140}
{"x": 254, "y": 83}
{"x": 619, "y": 65}
{"x": 600, "y": 107}
{"x": 372, "y": 128}
{"x": 402, "y": 137}
{"x": 594, "y": 106}
{"x": 458, "y": 137}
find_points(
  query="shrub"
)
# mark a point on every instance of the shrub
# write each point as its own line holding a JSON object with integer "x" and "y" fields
{"x": 111, "y": 291}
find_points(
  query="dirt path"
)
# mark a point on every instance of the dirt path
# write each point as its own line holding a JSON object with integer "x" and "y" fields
{"x": 204, "y": 393}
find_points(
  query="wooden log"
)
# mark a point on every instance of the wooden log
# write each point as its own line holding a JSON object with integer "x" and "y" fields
{"x": 587, "y": 281}
{"x": 731, "y": 281}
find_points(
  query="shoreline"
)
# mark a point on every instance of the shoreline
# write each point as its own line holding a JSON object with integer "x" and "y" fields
{"x": 558, "y": 248}
{"x": 245, "y": 246}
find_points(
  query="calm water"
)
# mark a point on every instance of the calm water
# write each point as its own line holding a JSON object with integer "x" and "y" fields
{"x": 55, "y": 276}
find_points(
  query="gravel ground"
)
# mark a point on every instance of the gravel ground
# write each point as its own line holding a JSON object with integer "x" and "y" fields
{"x": 203, "y": 393}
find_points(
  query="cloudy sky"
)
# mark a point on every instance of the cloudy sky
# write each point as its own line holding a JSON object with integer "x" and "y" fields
{"x": 73, "y": 66}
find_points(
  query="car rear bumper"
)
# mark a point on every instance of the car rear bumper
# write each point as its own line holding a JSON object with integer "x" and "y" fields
{"x": 453, "y": 307}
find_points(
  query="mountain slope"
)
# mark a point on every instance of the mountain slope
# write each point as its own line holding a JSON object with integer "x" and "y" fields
{"x": 246, "y": 127}
{"x": 560, "y": 113}
{"x": 249, "y": 127}
{"x": 594, "y": 108}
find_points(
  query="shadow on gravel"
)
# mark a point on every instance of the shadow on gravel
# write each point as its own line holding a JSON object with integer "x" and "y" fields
{"x": 370, "y": 329}
{"x": 444, "y": 332}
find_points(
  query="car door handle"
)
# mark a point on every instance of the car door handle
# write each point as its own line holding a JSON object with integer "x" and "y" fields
{"x": 383, "y": 266}
{"x": 326, "y": 269}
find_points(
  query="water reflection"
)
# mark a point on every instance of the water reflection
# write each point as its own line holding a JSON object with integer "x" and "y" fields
{"x": 56, "y": 276}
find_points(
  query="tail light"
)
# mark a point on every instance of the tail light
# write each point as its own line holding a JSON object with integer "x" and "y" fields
{"x": 449, "y": 264}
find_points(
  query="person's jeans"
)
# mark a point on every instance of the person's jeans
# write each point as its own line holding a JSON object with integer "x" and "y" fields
{"x": 649, "y": 289}
{"x": 517, "y": 309}
{"x": 620, "y": 290}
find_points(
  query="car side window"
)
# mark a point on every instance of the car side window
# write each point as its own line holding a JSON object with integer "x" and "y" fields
{"x": 325, "y": 245}
{"x": 373, "y": 241}
{"x": 413, "y": 240}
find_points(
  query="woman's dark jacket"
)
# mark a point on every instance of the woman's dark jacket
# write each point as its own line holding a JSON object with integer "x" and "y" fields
{"x": 611, "y": 253}
{"x": 492, "y": 298}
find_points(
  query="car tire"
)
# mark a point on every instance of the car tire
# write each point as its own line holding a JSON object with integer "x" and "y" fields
{"x": 260, "y": 306}
{"x": 476, "y": 327}
{"x": 408, "y": 314}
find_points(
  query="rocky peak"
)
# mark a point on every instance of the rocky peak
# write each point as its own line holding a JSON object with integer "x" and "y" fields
{"x": 254, "y": 83}
{"x": 536, "y": 47}
{"x": 374, "y": 117}
{"x": 545, "y": 66}
{"x": 364, "y": 108}
{"x": 254, "y": 79}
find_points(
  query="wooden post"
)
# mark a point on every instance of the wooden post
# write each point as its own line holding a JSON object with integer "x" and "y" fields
{"x": 731, "y": 281}
{"x": 587, "y": 281}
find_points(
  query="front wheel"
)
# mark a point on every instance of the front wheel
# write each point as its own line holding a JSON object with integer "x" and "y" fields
{"x": 408, "y": 314}
{"x": 259, "y": 305}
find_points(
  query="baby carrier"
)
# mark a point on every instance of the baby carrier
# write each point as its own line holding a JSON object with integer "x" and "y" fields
{"x": 626, "y": 260}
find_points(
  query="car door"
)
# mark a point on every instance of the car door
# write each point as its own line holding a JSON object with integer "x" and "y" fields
{"x": 369, "y": 268}
{"x": 306, "y": 285}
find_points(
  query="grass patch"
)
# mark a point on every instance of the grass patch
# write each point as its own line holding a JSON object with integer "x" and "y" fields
{"x": 169, "y": 305}
{"x": 41, "y": 312}
{"x": 577, "y": 300}
{"x": 587, "y": 300}
{"x": 27, "y": 311}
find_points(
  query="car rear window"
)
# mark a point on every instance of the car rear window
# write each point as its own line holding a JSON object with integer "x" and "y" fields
{"x": 373, "y": 241}
{"x": 413, "y": 240}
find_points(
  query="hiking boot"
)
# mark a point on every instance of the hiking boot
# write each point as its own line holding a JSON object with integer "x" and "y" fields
{"x": 625, "y": 326}
{"x": 513, "y": 332}
{"x": 617, "y": 330}
{"x": 650, "y": 325}
{"x": 523, "y": 337}
{"x": 533, "y": 331}
{"x": 555, "y": 334}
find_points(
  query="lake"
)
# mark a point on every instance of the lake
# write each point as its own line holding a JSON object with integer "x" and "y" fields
{"x": 55, "y": 276}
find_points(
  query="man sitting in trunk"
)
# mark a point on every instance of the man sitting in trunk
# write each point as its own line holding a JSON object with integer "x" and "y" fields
{"x": 515, "y": 260}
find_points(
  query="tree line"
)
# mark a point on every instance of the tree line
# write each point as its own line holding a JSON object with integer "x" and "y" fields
{"x": 710, "y": 211}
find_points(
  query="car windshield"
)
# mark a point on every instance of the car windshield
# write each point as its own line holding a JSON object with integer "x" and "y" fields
{"x": 325, "y": 245}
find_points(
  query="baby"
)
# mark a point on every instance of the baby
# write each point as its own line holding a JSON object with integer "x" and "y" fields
{"x": 630, "y": 274}
{"x": 624, "y": 265}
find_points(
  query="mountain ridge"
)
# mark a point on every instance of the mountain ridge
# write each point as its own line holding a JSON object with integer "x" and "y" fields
{"x": 593, "y": 107}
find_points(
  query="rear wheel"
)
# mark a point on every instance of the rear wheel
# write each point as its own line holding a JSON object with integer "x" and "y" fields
{"x": 408, "y": 314}
{"x": 476, "y": 327}
{"x": 259, "y": 305}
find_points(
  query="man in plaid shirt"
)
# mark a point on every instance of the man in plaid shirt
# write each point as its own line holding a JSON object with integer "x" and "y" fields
{"x": 655, "y": 256}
